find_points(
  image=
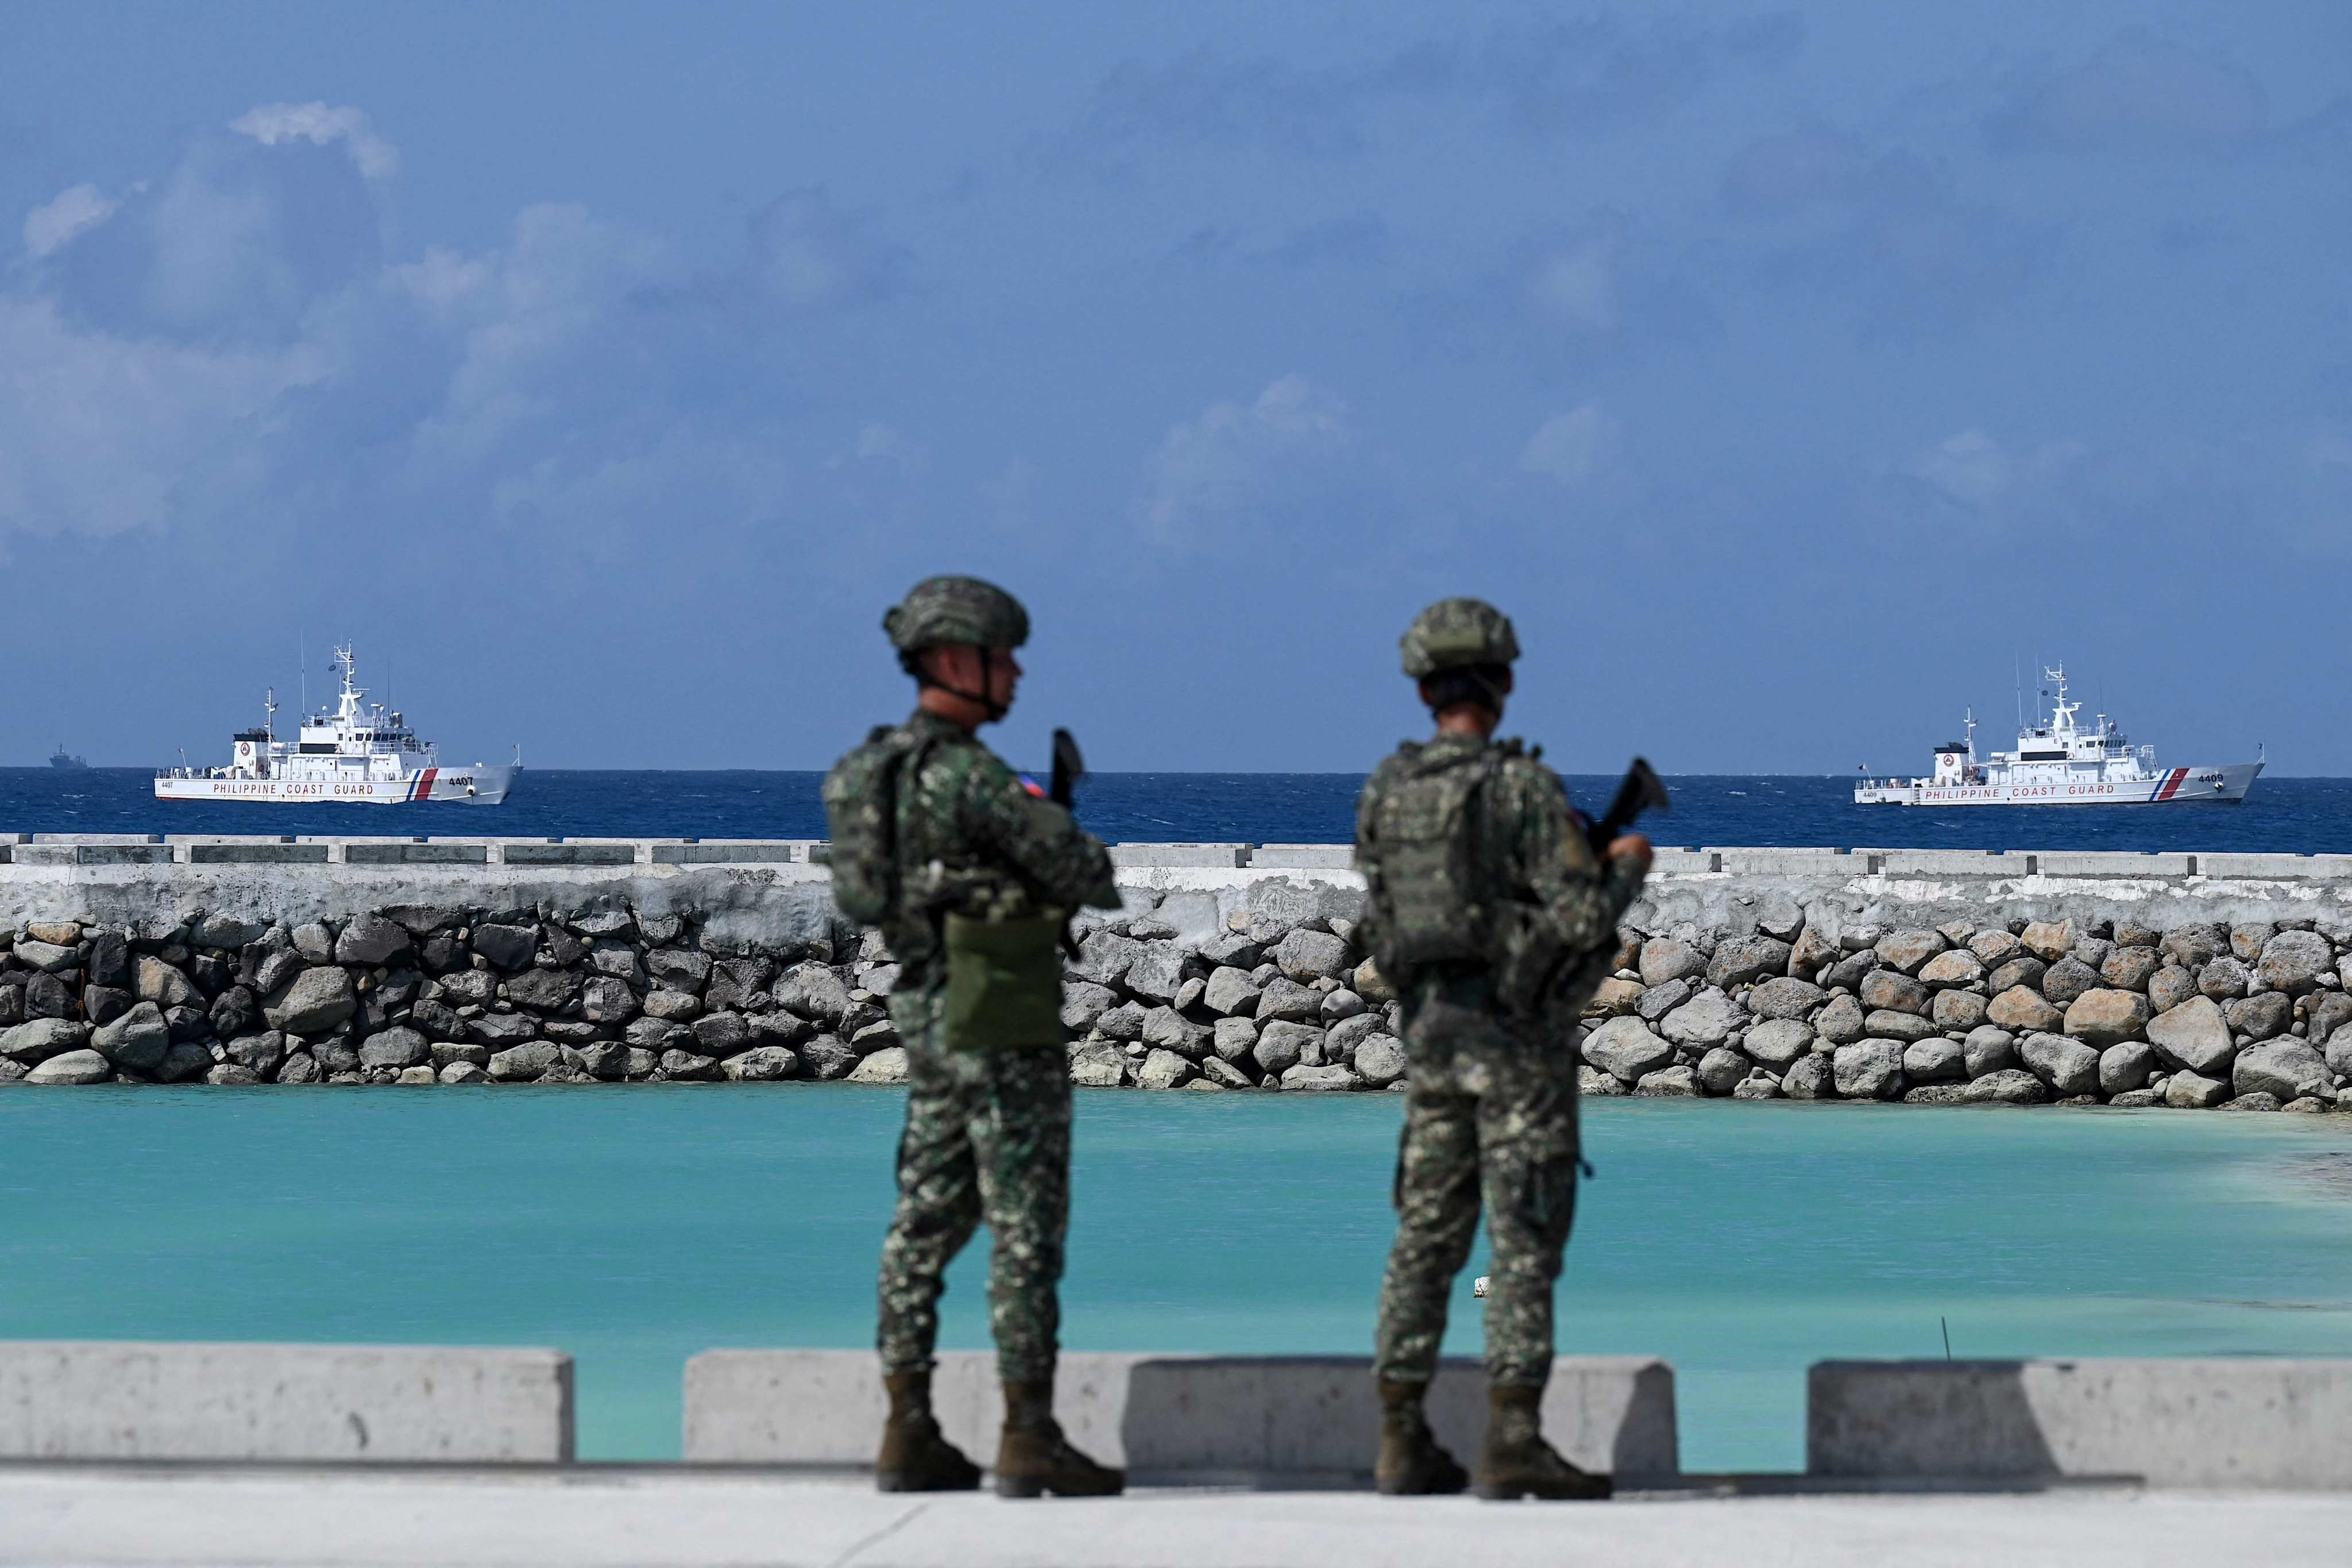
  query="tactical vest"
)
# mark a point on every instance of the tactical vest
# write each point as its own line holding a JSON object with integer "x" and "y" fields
{"x": 1426, "y": 821}
{"x": 1005, "y": 977}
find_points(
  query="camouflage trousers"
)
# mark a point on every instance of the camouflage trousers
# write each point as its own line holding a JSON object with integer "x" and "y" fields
{"x": 987, "y": 1138}
{"x": 1488, "y": 1120}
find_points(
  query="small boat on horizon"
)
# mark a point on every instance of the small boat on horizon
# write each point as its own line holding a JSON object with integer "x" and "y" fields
{"x": 356, "y": 753}
{"x": 2060, "y": 764}
{"x": 62, "y": 758}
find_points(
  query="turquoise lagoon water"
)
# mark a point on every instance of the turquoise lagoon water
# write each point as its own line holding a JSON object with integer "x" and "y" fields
{"x": 634, "y": 1226}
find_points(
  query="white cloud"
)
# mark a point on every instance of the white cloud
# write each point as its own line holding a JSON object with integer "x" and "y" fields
{"x": 271, "y": 123}
{"x": 101, "y": 433}
{"x": 1577, "y": 287}
{"x": 77, "y": 208}
{"x": 1237, "y": 457}
{"x": 1570, "y": 446}
{"x": 1971, "y": 468}
{"x": 807, "y": 252}
{"x": 878, "y": 440}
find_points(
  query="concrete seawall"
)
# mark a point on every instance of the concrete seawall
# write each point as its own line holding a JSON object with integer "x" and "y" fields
{"x": 1294, "y": 1418}
{"x": 2177, "y": 979}
{"x": 355, "y": 1403}
{"x": 2244, "y": 1423}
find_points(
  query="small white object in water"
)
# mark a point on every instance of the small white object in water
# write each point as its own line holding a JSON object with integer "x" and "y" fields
{"x": 1478, "y": 1286}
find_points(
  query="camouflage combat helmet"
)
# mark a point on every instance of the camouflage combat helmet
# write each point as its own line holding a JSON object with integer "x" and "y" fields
{"x": 943, "y": 610}
{"x": 1453, "y": 633}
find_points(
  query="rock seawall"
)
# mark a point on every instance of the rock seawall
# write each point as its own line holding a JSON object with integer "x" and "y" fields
{"x": 1929, "y": 977}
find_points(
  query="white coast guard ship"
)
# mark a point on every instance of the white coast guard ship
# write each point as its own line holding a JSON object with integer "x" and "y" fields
{"x": 356, "y": 751}
{"x": 2059, "y": 763}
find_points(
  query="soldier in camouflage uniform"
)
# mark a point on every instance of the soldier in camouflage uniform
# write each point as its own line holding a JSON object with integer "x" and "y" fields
{"x": 977, "y": 860}
{"x": 1488, "y": 912}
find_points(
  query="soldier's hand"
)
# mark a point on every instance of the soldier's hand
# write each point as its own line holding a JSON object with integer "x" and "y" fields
{"x": 1634, "y": 846}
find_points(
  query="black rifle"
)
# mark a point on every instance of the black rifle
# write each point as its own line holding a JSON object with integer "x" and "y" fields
{"x": 1640, "y": 790}
{"x": 1069, "y": 767}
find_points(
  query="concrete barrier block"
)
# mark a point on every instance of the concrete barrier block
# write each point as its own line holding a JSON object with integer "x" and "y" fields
{"x": 1684, "y": 862}
{"x": 2240, "y": 1422}
{"x": 1938, "y": 863}
{"x": 1171, "y": 1415}
{"x": 1785, "y": 862}
{"x": 530, "y": 853}
{"x": 155, "y": 854}
{"x": 733, "y": 851}
{"x": 397, "y": 852}
{"x": 1302, "y": 856}
{"x": 2296, "y": 866}
{"x": 380, "y": 1404}
{"x": 100, "y": 839}
{"x": 2109, "y": 863}
{"x": 1223, "y": 855}
{"x": 285, "y": 852}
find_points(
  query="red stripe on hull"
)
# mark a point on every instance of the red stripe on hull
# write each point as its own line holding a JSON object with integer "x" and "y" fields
{"x": 424, "y": 785}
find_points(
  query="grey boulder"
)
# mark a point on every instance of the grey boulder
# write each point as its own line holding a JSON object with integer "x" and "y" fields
{"x": 1935, "y": 1060}
{"x": 1672, "y": 1083}
{"x": 2288, "y": 1068}
{"x": 1310, "y": 955}
{"x": 2009, "y": 1086}
{"x": 2194, "y": 1090}
{"x": 139, "y": 1040}
{"x": 369, "y": 940}
{"x": 1785, "y": 997}
{"x": 395, "y": 1048}
{"x": 1777, "y": 1042}
{"x": 2125, "y": 1069}
{"x": 1626, "y": 1051}
{"x": 2104, "y": 1016}
{"x": 1706, "y": 1019}
{"x": 520, "y": 1064}
{"x": 2192, "y": 1037}
{"x": 314, "y": 1002}
{"x": 1989, "y": 1049}
{"x": 761, "y": 1064}
{"x": 83, "y": 1066}
{"x": 1721, "y": 1070}
{"x": 2293, "y": 961}
{"x": 2068, "y": 1067}
{"x": 1282, "y": 1045}
{"x": 1869, "y": 1069}
{"x": 1380, "y": 1060}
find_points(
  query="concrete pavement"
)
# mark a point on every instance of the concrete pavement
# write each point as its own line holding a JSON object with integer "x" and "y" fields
{"x": 599, "y": 1517}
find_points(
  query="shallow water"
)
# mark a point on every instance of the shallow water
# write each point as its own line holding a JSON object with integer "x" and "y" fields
{"x": 634, "y": 1226}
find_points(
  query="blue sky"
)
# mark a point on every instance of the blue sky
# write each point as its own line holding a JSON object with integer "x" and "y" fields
{"x": 1788, "y": 373}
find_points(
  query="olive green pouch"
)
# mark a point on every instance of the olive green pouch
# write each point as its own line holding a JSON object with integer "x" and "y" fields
{"x": 1004, "y": 982}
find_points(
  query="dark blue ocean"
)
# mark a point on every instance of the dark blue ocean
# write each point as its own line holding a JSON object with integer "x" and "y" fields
{"x": 2304, "y": 816}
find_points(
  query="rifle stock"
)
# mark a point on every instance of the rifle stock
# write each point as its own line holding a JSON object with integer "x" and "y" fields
{"x": 1069, "y": 767}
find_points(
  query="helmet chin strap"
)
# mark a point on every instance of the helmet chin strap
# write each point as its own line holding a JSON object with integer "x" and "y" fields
{"x": 988, "y": 704}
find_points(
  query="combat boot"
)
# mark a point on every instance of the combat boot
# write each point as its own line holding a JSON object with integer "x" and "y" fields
{"x": 1033, "y": 1457}
{"x": 1410, "y": 1462}
{"x": 915, "y": 1457}
{"x": 1518, "y": 1463}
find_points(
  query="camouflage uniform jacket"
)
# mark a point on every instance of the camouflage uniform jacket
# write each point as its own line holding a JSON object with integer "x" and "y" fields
{"x": 1533, "y": 851}
{"x": 973, "y": 840}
